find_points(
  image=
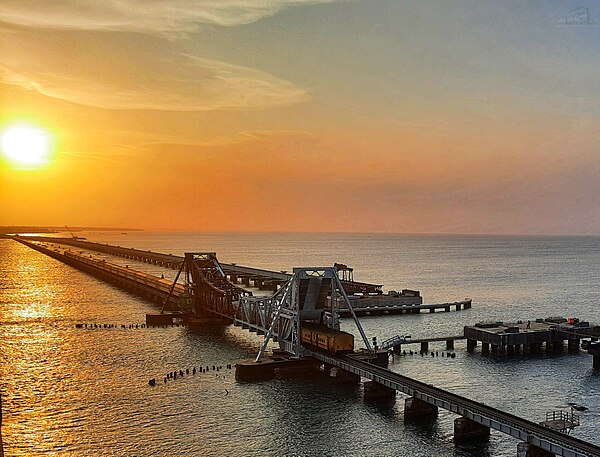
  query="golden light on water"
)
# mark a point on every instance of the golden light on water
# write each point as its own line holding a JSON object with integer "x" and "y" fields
{"x": 26, "y": 144}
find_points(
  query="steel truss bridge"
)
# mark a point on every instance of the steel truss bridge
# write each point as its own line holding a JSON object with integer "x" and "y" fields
{"x": 303, "y": 298}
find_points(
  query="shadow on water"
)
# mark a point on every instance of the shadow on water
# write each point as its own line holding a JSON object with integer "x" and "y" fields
{"x": 473, "y": 450}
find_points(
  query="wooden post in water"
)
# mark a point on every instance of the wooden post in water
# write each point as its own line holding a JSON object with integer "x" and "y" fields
{"x": 1, "y": 443}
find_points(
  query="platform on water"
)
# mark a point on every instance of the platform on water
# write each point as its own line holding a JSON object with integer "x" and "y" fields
{"x": 532, "y": 336}
{"x": 377, "y": 305}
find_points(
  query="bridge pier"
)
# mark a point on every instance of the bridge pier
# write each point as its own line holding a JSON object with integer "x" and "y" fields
{"x": 449, "y": 344}
{"x": 573, "y": 344}
{"x": 469, "y": 431}
{"x": 340, "y": 376}
{"x": 554, "y": 346}
{"x": 471, "y": 345}
{"x": 373, "y": 391}
{"x": 424, "y": 346}
{"x": 249, "y": 370}
{"x": 529, "y": 450}
{"x": 415, "y": 409}
{"x": 485, "y": 348}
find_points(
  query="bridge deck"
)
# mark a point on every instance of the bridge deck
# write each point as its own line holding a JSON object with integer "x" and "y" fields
{"x": 522, "y": 429}
{"x": 175, "y": 262}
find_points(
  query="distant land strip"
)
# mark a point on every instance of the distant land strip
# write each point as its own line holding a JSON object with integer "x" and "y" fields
{"x": 14, "y": 229}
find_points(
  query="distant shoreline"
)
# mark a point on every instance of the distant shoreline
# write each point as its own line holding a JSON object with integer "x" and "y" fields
{"x": 11, "y": 229}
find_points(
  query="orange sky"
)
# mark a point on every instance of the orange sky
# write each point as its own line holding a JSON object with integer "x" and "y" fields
{"x": 246, "y": 115}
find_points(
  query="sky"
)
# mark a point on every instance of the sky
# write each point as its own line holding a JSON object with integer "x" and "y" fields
{"x": 305, "y": 115}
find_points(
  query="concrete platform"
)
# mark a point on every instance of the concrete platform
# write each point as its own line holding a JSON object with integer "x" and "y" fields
{"x": 531, "y": 336}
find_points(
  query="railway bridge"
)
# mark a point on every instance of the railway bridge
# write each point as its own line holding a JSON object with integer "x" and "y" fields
{"x": 303, "y": 299}
{"x": 260, "y": 278}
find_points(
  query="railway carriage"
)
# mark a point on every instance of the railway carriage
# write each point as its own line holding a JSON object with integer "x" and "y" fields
{"x": 324, "y": 338}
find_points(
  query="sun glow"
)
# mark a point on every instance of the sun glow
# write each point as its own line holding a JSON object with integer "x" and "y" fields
{"x": 26, "y": 144}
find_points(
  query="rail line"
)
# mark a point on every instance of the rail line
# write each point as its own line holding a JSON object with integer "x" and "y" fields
{"x": 522, "y": 429}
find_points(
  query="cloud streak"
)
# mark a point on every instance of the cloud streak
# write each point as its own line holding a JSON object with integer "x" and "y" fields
{"x": 148, "y": 16}
{"x": 111, "y": 73}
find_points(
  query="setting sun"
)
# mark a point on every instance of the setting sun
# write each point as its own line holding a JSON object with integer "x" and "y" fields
{"x": 26, "y": 144}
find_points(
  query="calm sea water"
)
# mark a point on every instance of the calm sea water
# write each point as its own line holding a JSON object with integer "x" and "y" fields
{"x": 77, "y": 392}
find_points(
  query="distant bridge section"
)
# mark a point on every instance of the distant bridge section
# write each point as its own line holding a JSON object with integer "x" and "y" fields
{"x": 260, "y": 278}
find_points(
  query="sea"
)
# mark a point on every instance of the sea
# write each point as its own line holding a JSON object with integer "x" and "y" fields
{"x": 68, "y": 391}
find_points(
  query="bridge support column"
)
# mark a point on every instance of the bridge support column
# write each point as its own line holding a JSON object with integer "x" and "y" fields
{"x": 596, "y": 361}
{"x": 553, "y": 346}
{"x": 446, "y": 309}
{"x": 397, "y": 349}
{"x": 373, "y": 391}
{"x": 415, "y": 409}
{"x": 471, "y": 345}
{"x": 249, "y": 370}
{"x": 529, "y": 450}
{"x": 424, "y": 346}
{"x": 485, "y": 348}
{"x": 573, "y": 344}
{"x": 535, "y": 348}
{"x": 382, "y": 358}
{"x": 449, "y": 344}
{"x": 340, "y": 376}
{"x": 468, "y": 431}
{"x": 458, "y": 307}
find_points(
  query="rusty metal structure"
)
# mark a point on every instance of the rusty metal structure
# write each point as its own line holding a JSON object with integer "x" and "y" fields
{"x": 207, "y": 283}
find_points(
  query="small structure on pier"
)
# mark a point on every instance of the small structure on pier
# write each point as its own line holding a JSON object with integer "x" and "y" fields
{"x": 562, "y": 421}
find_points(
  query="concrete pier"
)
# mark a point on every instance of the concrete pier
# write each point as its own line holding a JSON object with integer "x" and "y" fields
{"x": 529, "y": 450}
{"x": 471, "y": 345}
{"x": 340, "y": 376}
{"x": 249, "y": 370}
{"x": 468, "y": 431}
{"x": 415, "y": 409}
{"x": 499, "y": 338}
{"x": 375, "y": 392}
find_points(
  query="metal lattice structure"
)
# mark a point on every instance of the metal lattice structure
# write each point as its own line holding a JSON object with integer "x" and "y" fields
{"x": 206, "y": 282}
{"x": 312, "y": 295}
{"x": 304, "y": 298}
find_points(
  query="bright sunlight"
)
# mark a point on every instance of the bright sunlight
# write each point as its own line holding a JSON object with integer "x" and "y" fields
{"x": 25, "y": 144}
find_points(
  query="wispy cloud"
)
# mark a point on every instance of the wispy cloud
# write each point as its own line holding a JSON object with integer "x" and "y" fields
{"x": 116, "y": 74}
{"x": 151, "y": 16}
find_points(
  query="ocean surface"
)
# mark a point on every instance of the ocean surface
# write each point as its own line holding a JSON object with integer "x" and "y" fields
{"x": 78, "y": 392}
